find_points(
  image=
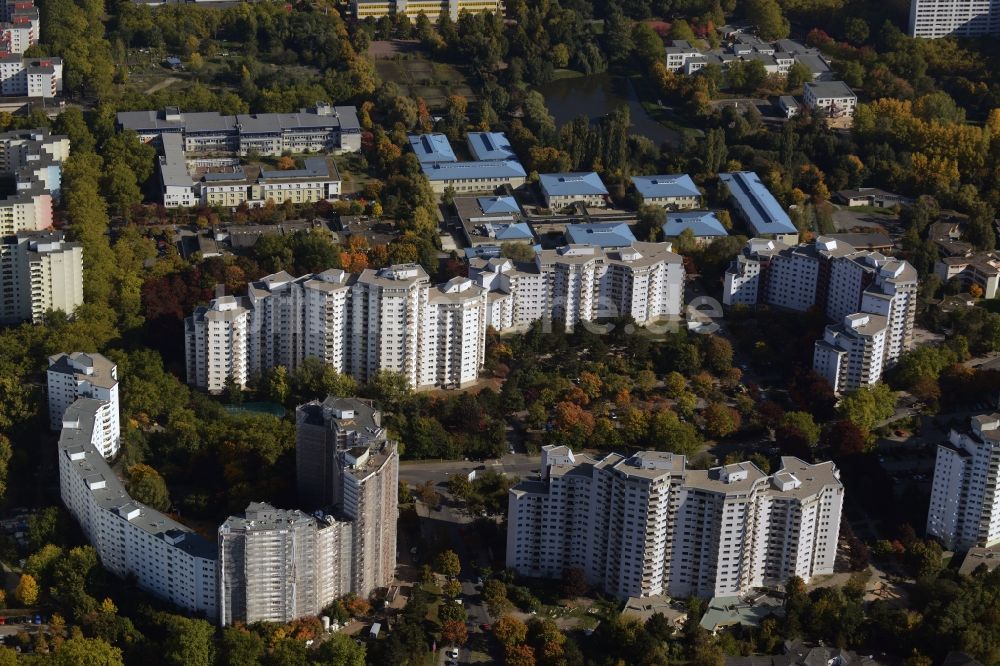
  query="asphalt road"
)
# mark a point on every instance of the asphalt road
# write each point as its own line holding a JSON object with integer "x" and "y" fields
{"x": 416, "y": 472}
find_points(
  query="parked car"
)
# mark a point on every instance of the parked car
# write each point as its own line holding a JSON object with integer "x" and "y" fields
{"x": 452, "y": 653}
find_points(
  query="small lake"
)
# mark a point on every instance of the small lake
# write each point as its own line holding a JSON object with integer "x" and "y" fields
{"x": 598, "y": 95}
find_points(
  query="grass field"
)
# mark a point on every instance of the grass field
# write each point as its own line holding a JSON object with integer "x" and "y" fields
{"x": 417, "y": 76}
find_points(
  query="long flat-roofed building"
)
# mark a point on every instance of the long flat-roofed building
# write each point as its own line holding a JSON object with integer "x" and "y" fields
{"x": 758, "y": 208}
{"x": 646, "y": 525}
{"x": 323, "y": 128}
{"x": 672, "y": 191}
{"x": 564, "y": 189}
{"x": 432, "y": 9}
{"x": 163, "y": 557}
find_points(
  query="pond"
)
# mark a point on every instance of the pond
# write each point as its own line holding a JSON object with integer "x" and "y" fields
{"x": 598, "y": 95}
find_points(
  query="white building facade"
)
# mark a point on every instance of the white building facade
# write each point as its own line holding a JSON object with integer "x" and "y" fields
{"x": 851, "y": 355}
{"x": 965, "y": 496}
{"x": 576, "y": 283}
{"x": 962, "y": 18}
{"x": 871, "y": 297}
{"x": 80, "y": 375}
{"x": 39, "y": 271}
{"x": 390, "y": 319}
{"x": 30, "y": 77}
{"x": 279, "y": 565}
{"x": 216, "y": 340}
{"x": 646, "y": 525}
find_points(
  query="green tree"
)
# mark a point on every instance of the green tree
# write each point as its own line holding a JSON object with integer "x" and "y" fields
{"x": 867, "y": 406}
{"x": 85, "y": 652}
{"x": 389, "y": 388}
{"x": 147, "y": 486}
{"x": 721, "y": 420}
{"x": 856, "y": 30}
{"x": 240, "y": 647}
{"x": 448, "y": 564}
{"x": 72, "y": 123}
{"x": 45, "y": 527}
{"x": 495, "y": 596}
{"x": 278, "y": 387}
{"x": 617, "y": 36}
{"x": 681, "y": 29}
{"x": 798, "y": 74}
{"x": 26, "y": 592}
{"x": 188, "y": 642}
{"x": 339, "y": 650}
{"x": 648, "y": 45}
{"x": 717, "y": 353}
{"x": 517, "y": 252}
{"x": 767, "y": 17}
{"x": 803, "y": 424}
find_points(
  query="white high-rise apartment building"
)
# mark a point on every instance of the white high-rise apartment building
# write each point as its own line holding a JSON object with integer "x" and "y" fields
{"x": 965, "y": 497}
{"x": 454, "y": 334}
{"x": 30, "y": 77}
{"x": 745, "y": 280}
{"x": 322, "y": 430}
{"x": 80, "y": 375}
{"x": 369, "y": 486}
{"x": 850, "y": 355}
{"x": 216, "y": 344}
{"x": 276, "y": 321}
{"x": 278, "y": 565}
{"x": 164, "y": 557}
{"x": 327, "y": 318}
{"x": 387, "y": 312}
{"x": 39, "y": 271}
{"x": 578, "y": 283}
{"x": 645, "y": 525}
{"x": 344, "y": 462}
{"x": 961, "y": 18}
{"x": 388, "y": 319}
{"x": 872, "y": 297}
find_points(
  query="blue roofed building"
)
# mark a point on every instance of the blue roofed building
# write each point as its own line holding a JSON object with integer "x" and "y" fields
{"x": 604, "y": 235}
{"x": 564, "y": 189}
{"x": 491, "y": 220}
{"x": 498, "y": 205}
{"x": 432, "y": 148}
{"x": 484, "y": 146}
{"x": 759, "y": 209}
{"x": 494, "y": 165}
{"x": 675, "y": 191}
{"x": 465, "y": 177}
{"x": 705, "y": 226}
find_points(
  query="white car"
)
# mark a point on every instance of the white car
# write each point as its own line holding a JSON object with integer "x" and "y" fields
{"x": 452, "y": 653}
